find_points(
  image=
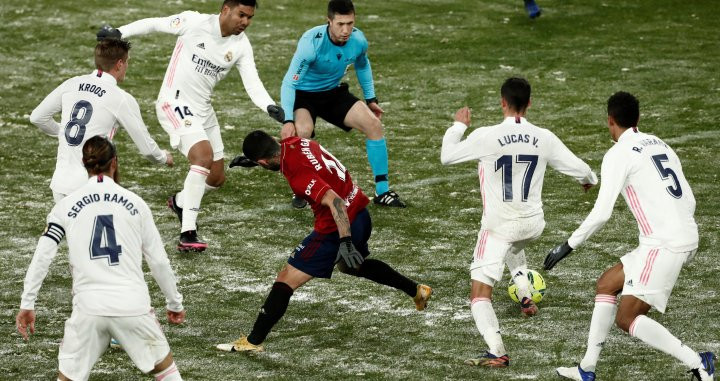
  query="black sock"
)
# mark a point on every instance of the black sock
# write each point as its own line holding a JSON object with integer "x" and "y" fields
{"x": 273, "y": 309}
{"x": 380, "y": 272}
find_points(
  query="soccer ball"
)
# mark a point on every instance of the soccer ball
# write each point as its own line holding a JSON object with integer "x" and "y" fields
{"x": 537, "y": 286}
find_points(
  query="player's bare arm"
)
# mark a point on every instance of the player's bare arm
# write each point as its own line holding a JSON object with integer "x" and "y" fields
{"x": 23, "y": 320}
{"x": 462, "y": 115}
{"x": 339, "y": 212}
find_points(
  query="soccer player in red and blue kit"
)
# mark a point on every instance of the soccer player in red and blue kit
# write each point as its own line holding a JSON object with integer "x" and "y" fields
{"x": 340, "y": 235}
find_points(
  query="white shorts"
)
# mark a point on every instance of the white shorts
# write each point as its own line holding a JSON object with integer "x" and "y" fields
{"x": 185, "y": 128}
{"x": 651, "y": 273}
{"x": 88, "y": 336}
{"x": 490, "y": 255}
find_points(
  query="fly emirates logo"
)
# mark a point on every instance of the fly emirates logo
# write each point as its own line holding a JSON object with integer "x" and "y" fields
{"x": 204, "y": 66}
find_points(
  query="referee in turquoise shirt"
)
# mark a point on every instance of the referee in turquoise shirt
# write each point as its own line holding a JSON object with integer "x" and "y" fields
{"x": 312, "y": 88}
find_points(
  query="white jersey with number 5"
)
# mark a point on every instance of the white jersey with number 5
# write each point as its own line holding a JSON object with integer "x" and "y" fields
{"x": 513, "y": 156}
{"x": 109, "y": 230}
{"x": 202, "y": 57}
{"x": 91, "y": 105}
{"x": 649, "y": 175}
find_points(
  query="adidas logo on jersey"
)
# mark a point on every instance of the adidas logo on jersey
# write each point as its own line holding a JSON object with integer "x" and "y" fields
{"x": 201, "y": 45}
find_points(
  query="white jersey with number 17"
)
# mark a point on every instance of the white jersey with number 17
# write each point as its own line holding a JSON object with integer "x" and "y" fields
{"x": 512, "y": 158}
{"x": 91, "y": 105}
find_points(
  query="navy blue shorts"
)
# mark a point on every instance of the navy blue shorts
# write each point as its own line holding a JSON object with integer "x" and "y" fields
{"x": 316, "y": 254}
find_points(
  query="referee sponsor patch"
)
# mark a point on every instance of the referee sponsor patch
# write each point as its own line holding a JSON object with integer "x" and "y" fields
{"x": 55, "y": 232}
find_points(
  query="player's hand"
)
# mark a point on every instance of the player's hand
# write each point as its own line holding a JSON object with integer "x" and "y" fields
{"x": 242, "y": 161}
{"x": 288, "y": 130}
{"x": 106, "y": 31}
{"x": 349, "y": 253}
{"x": 176, "y": 317}
{"x": 376, "y": 109}
{"x": 556, "y": 254}
{"x": 24, "y": 319}
{"x": 463, "y": 116}
{"x": 276, "y": 113}
{"x": 169, "y": 161}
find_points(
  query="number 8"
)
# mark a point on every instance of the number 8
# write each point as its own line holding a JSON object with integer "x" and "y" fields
{"x": 81, "y": 123}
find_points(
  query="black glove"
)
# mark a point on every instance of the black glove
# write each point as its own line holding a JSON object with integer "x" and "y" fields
{"x": 556, "y": 254}
{"x": 242, "y": 161}
{"x": 349, "y": 253}
{"x": 106, "y": 31}
{"x": 276, "y": 113}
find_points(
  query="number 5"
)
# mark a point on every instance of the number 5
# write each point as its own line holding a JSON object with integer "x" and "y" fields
{"x": 674, "y": 191}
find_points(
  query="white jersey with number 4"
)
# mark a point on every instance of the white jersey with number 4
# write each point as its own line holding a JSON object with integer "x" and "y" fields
{"x": 109, "y": 230}
{"x": 91, "y": 105}
{"x": 649, "y": 175}
{"x": 202, "y": 57}
{"x": 512, "y": 158}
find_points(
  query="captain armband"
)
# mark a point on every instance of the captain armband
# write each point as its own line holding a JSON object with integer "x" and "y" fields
{"x": 54, "y": 231}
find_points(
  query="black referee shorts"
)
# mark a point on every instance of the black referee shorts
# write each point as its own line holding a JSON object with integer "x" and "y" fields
{"x": 331, "y": 105}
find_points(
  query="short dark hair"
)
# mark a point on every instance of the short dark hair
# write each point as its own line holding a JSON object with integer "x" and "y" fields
{"x": 516, "y": 92}
{"x": 259, "y": 145}
{"x": 624, "y": 108}
{"x": 109, "y": 51}
{"x": 342, "y": 7}
{"x": 235, "y": 3}
{"x": 98, "y": 153}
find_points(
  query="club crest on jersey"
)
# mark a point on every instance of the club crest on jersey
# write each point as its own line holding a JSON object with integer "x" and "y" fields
{"x": 228, "y": 56}
{"x": 175, "y": 23}
{"x": 188, "y": 123}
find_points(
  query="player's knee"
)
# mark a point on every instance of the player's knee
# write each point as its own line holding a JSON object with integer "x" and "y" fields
{"x": 374, "y": 129}
{"x": 623, "y": 322}
{"x": 62, "y": 377}
{"x": 345, "y": 269}
{"x": 163, "y": 364}
{"x": 604, "y": 287}
{"x": 216, "y": 180}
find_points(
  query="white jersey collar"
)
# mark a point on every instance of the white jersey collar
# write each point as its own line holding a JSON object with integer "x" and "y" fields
{"x": 628, "y": 133}
{"x": 104, "y": 76}
{"x": 515, "y": 120}
{"x": 105, "y": 179}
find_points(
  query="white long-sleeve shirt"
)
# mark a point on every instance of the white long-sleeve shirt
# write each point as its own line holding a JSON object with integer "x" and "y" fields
{"x": 202, "y": 57}
{"x": 91, "y": 105}
{"x": 109, "y": 230}
{"x": 512, "y": 158}
{"x": 649, "y": 175}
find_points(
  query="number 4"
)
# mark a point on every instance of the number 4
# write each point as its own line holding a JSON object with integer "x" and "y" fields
{"x": 104, "y": 228}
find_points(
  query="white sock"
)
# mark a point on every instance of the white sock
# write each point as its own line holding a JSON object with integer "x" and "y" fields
{"x": 488, "y": 325}
{"x": 519, "y": 277}
{"x": 179, "y": 196}
{"x": 170, "y": 373}
{"x": 655, "y": 335}
{"x": 192, "y": 195}
{"x": 602, "y": 320}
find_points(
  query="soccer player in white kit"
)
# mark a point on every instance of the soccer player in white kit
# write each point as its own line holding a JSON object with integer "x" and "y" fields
{"x": 512, "y": 158}
{"x": 109, "y": 230}
{"x": 648, "y": 174}
{"x": 93, "y": 105}
{"x": 208, "y": 46}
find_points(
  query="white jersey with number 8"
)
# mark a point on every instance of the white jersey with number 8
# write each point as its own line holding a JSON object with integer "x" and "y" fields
{"x": 91, "y": 105}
